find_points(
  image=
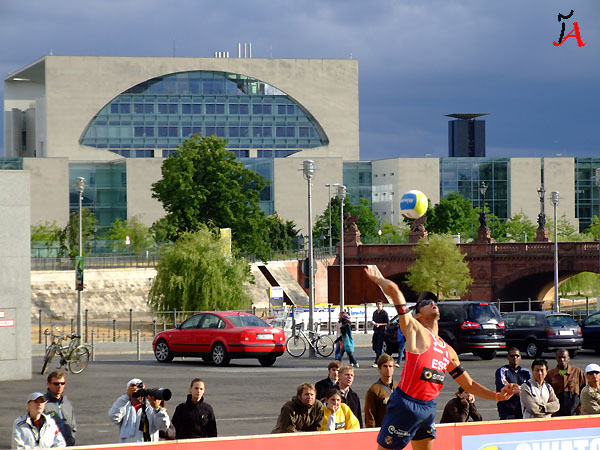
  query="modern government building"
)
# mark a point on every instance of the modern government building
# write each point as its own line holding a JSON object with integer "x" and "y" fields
{"x": 113, "y": 120}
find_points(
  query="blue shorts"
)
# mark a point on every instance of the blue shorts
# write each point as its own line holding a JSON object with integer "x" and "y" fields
{"x": 406, "y": 419}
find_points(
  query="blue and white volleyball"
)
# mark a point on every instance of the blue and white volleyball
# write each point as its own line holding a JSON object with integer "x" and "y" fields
{"x": 413, "y": 204}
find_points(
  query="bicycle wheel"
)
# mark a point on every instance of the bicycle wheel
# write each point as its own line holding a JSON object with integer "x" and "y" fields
{"x": 79, "y": 359}
{"x": 50, "y": 352}
{"x": 324, "y": 346}
{"x": 295, "y": 346}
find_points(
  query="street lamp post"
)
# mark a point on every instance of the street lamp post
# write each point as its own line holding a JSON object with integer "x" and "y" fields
{"x": 328, "y": 185}
{"x": 308, "y": 170}
{"x": 483, "y": 216}
{"x": 556, "y": 299}
{"x": 341, "y": 195}
{"x": 80, "y": 186}
{"x": 598, "y": 186}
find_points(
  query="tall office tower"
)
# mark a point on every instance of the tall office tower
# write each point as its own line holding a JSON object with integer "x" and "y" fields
{"x": 466, "y": 135}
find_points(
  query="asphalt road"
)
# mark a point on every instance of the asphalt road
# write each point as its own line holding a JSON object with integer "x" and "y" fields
{"x": 245, "y": 396}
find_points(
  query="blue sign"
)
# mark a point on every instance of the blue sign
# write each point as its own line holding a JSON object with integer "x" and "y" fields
{"x": 573, "y": 439}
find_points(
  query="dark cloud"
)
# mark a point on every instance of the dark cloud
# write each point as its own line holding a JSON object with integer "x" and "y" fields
{"x": 417, "y": 60}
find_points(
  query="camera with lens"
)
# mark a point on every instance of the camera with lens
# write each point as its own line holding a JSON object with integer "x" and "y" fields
{"x": 157, "y": 393}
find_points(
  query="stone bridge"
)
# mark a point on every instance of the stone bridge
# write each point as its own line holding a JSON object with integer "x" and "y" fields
{"x": 507, "y": 271}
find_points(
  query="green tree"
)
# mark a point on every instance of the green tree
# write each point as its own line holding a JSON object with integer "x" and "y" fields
{"x": 454, "y": 214}
{"x": 367, "y": 223}
{"x": 203, "y": 183}
{"x": 565, "y": 231}
{"x": 516, "y": 228}
{"x": 69, "y": 238}
{"x": 585, "y": 283}
{"x": 281, "y": 234}
{"x": 195, "y": 275}
{"x": 592, "y": 230}
{"x": 46, "y": 233}
{"x": 139, "y": 235}
{"x": 440, "y": 268}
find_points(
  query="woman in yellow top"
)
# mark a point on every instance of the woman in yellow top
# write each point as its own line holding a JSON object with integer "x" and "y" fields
{"x": 338, "y": 415}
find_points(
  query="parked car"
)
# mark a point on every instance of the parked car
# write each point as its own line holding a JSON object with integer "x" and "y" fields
{"x": 220, "y": 336}
{"x": 536, "y": 332}
{"x": 590, "y": 329}
{"x": 467, "y": 326}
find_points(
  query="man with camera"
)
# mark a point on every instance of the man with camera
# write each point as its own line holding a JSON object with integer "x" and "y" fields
{"x": 139, "y": 413}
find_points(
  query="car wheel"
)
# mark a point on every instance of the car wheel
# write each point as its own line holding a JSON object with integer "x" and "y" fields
{"x": 533, "y": 349}
{"x": 219, "y": 355}
{"x": 267, "y": 361}
{"x": 162, "y": 352}
{"x": 487, "y": 354}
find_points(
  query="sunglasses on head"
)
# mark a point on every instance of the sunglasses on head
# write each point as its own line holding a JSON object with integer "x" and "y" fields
{"x": 58, "y": 383}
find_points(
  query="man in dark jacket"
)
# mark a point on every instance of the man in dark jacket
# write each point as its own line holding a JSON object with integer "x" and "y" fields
{"x": 380, "y": 321}
{"x": 461, "y": 408}
{"x": 195, "y": 418}
{"x": 302, "y": 413}
{"x": 511, "y": 373}
{"x": 349, "y": 397}
{"x": 567, "y": 382}
{"x": 59, "y": 407}
{"x": 333, "y": 369}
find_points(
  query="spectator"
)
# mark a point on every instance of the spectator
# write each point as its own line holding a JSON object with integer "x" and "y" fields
{"x": 590, "y": 394}
{"x": 59, "y": 407}
{"x": 338, "y": 415}
{"x": 378, "y": 394}
{"x": 36, "y": 429}
{"x": 349, "y": 397}
{"x": 537, "y": 397}
{"x": 139, "y": 418}
{"x": 567, "y": 382}
{"x": 302, "y": 413}
{"x": 401, "y": 344}
{"x": 511, "y": 373}
{"x": 338, "y": 340}
{"x": 333, "y": 369}
{"x": 346, "y": 341}
{"x": 380, "y": 321}
{"x": 195, "y": 418}
{"x": 461, "y": 408}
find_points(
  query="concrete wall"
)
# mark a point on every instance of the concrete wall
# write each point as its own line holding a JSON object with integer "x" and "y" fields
{"x": 328, "y": 89}
{"x": 49, "y": 189}
{"x": 393, "y": 177}
{"x": 141, "y": 174}
{"x": 15, "y": 264}
{"x": 524, "y": 182}
{"x": 559, "y": 175}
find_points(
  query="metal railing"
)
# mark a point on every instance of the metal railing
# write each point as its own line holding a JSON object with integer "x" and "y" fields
{"x": 577, "y": 308}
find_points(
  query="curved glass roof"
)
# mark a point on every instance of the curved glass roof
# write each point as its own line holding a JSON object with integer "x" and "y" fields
{"x": 161, "y": 112}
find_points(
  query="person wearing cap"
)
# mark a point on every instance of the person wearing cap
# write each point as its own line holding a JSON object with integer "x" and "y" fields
{"x": 412, "y": 407}
{"x": 59, "y": 407}
{"x": 35, "y": 429}
{"x": 590, "y": 394}
{"x": 139, "y": 418}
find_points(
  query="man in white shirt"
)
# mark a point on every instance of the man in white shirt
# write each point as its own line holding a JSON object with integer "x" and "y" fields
{"x": 537, "y": 397}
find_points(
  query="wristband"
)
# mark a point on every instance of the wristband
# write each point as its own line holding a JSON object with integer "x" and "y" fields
{"x": 402, "y": 309}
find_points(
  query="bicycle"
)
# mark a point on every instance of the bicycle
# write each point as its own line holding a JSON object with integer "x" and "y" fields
{"x": 296, "y": 343}
{"x": 74, "y": 355}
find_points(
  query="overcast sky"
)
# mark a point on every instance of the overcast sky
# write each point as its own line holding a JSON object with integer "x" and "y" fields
{"x": 418, "y": 60}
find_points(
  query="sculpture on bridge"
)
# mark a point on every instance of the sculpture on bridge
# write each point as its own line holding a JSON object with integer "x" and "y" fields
{"x": 417, "y": 230}
{"x": 351, "y": 231}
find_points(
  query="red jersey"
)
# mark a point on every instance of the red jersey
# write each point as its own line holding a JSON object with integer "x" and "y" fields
{"x": 423, "y": 374}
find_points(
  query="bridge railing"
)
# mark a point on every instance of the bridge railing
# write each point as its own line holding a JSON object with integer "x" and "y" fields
{"x": 578, "y": 308}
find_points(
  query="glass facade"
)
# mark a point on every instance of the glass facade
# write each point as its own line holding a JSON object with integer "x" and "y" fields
{"x": 263, "y": 167}
{"x": 358, "y": 181}
{"x": 586, "y": 191}
{"x": 105, "y": 192}
{"x": 464, "y": 176}
{"x": 162, "y": 112}
{"x": 11, "y": 163}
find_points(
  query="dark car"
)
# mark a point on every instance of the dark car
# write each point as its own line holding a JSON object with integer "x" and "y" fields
{"x": 536, "y": 332}
{"x": 467, "y": 326}
{"x": 590, "y": 329}
{"x": 219, "y": 336}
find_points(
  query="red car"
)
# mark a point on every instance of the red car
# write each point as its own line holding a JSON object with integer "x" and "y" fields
{"x": 219, "y": 336}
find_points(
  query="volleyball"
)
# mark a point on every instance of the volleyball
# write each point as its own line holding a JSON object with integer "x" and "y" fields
{"x": 413, "y": 204}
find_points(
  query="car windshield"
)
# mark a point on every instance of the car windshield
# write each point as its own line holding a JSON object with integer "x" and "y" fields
{"x": 247, "y": 321}
{"x": 561, "y": 321}
{"x": 484, "y": 313}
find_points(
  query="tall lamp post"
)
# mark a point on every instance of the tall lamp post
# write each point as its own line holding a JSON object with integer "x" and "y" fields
{"x": 341, "y": 192}
{"x": 328, "y": 185}
{"x": 598, "y": 186}
{"x": 556, "y": 299}
{"x": 79, "y": 186}
{"x": 483, "y": 216}
{"x": 308, "y": 170}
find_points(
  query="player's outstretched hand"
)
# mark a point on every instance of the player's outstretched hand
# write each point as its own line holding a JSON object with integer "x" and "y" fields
{"x": 509, "y": 390}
